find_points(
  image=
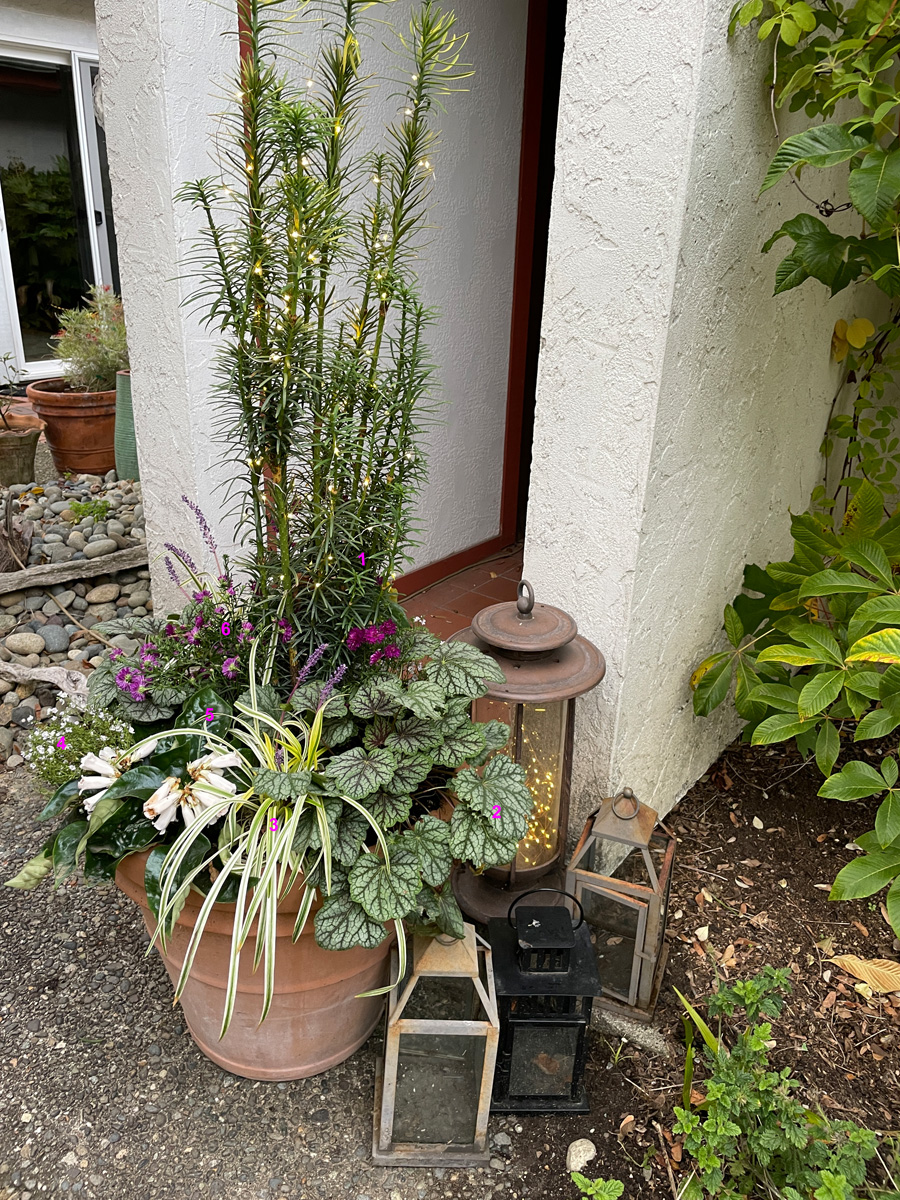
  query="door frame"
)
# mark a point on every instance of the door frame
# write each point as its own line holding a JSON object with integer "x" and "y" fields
{"x": 523, "y": 270}
{"x": 72, "y": 57}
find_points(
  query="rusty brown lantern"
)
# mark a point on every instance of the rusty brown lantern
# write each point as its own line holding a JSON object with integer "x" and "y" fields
{"x": 546, "y": 664}
{"x": 620, "y": 874}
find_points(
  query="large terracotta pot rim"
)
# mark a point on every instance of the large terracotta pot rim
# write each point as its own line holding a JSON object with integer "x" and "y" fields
{"x": 51, "y": 389}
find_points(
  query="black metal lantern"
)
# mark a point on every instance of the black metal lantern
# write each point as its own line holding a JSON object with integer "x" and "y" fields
{"x": 546, "y": 978}
{"x": 621, "y": 873}
{"x": 546, "y": 664}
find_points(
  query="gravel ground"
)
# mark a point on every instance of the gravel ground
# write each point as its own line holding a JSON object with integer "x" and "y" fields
{"x": 103, "y": 1094}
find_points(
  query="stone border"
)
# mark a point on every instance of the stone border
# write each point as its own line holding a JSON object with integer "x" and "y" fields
{"x": 106, "y": 564}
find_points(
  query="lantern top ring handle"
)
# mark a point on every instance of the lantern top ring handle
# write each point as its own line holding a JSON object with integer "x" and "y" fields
{"x": 557, "y": 891}
{"x": 628, "y": 796}
{"x": 524, "y": 600}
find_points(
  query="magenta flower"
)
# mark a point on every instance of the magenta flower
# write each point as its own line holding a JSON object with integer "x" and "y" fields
{"x": 391, "y": 651}
{"x": 230, "y": 668}
{"x": 115, "y": 653}
{"x": 192, "y": 637}
{"x": 387, "y": 628}
{"x": 356, "y": 638}
{"x": 373, "y": 634}
{"x": 200, "y": 596}
{"x": 376, "y": 658}
{"x": 170, "y": 630}
{"x": 246, "y": 630}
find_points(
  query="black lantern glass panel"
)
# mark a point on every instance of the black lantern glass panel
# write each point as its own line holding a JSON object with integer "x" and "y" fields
{"x": 546, "y": 978}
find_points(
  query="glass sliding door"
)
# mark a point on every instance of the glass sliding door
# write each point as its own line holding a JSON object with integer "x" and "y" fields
{"x": 56, "y": 234}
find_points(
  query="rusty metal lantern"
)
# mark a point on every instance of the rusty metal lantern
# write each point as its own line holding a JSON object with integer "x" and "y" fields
{"x": 433, "y": 1087}
{"x": 621, "y": 874}
{"x": 546, "y": 664}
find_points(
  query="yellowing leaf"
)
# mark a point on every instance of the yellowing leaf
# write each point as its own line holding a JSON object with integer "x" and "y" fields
{"x": 859, "y": 331}
{"x": 703, "y": 668}
{"x": 881, "y": 974}
{"x": 840, "y": 329}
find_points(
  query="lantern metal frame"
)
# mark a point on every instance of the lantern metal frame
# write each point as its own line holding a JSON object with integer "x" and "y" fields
{"x": 545, "y": 661}
{"x": 532, "y": 995}
{"x": 625, "y": 821}
{"x": 433, "y": 958}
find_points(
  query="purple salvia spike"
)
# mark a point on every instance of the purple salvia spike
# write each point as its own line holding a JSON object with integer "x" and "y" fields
{"x": 202, "y": 522}
{"x": 184, "y": 556}
{"x": 332, "y": 683}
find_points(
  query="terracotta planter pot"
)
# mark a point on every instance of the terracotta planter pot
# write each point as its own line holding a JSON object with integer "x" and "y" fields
{"x": 17, "y": 447}
{"x": 315, "y": 1020}
{"x": 81, "y": 426}
{"x": 20, "y": 416}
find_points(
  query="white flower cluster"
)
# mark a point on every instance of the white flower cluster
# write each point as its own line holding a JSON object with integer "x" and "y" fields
{"x": 208, "y": 786}
{"x": 66, "y": 727}
{"x": 107, "y": 766}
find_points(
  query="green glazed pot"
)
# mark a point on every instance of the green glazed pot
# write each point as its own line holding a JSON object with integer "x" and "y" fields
{"x": 126, "y": 448}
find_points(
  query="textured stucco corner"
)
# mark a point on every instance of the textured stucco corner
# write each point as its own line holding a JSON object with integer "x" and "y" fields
{"x": 680, "y": 407}
{"x": 156, "y": 61}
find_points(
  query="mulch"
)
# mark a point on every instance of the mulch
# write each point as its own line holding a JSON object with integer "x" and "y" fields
{"x": 757, "y": 851}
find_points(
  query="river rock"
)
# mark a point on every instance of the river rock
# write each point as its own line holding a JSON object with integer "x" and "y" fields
{"x": 77, "y": 540}
{"x": 579, "y": 1154}
{"x": 129, "y": 645}
{"x": 55, "y": 639}
{"x": 25, "y": 643}
{"x": 96, "y": 549}
{"x": 60, "y": 554}
{"x": 138, "y": 599}
{"x": 104, "y": 593}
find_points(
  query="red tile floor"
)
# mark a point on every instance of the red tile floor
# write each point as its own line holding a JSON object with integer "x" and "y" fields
{"x": 451, "y": 604}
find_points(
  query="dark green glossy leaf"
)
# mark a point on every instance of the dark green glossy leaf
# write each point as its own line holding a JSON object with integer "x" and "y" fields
{"x": 65, "y": 849}
{"x": 64, "y": 797}
{"x": 203, "y": 703}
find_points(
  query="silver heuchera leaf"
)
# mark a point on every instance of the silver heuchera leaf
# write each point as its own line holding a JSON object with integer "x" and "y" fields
{"x": 460, "y": 746}
{"x": 496, "y": 736}
{"x": 341, "y": 923}
{"x": 389, "y": 810}
{"x": 424, "y": 699}
{"x": 478, "y": 841}
{"x": 410, "y": 773}
{"x": 358, "y": 773}
{"x": 501, "y": 783}
{"x": 282, "y": 786}
{"x": 413, "y": 735}
{"x": 430, "y": 838}
{"x": 351, "y": 835}
{"x": 459, "y": 668}
{"x": 378, "y": 698}
{"x": 383, "y": 893}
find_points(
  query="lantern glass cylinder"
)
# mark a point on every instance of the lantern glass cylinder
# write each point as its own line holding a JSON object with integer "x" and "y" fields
{"x": 538, "y": 741}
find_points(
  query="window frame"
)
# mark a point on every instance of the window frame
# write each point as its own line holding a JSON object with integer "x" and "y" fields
{"x": 73, "y": 58}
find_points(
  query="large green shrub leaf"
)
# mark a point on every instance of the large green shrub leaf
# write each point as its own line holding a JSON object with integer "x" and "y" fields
{"x": 881, "y": 610}
{"x": 869, "y": 556}
{"x": 777, "y": 695}
{"x": 881, "y": 646}
{"x": 67, "y": 796}
{"x": 892, "y": 902}
{"x": 875, "y": 186}
{"x": 828, "y": 747}
{"x": 821, "y": 146}
{"x": 887, "y": 819}
{"x": 778, "y": 729}
{"x": 430, "y": 838}
{"x": 478, "y": 840}
{"x": 203, "y": 703}
{"x": 65, "y": 848}
{"x": 359, "y": 772}
{"x": 341, "y": 924}
{"x": 377, "y": 698}
{"x": 711, "y": 681}
{"x": 386, "y": 893}
{"x": 854, "y": 781}
{"x": 866, "y": 875}
{"x": 821, "y": 690}
{"x": 794, "y": 656}
{"x": 139, "y": 783}
{"x": 459, "y": 668}
{"x": 877, "y": 724}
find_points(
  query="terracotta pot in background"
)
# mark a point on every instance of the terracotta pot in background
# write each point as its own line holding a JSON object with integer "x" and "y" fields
{"x": 315, "y": 1020}
{"x": 17, "y": 447}
{"x": 81, "y": 426}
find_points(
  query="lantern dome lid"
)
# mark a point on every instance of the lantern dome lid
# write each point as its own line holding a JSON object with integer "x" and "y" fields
{"x": 538, "y": 648}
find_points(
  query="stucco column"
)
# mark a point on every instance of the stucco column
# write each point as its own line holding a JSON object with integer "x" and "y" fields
{"x": 680, "y": 407}
{"x": 156, "y": 63}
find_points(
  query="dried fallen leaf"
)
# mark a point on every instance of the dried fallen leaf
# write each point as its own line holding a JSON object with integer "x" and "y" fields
{"x": 822, "y": 887}
{"x": 862, "y": 929}
{"x": 750, "y": 862}
{"x": 676, "y": 1152}
{"x": 882, "y": 974}
{"x": 728, "y": 958}
{"x": 697, "y": 1097}
{"x": 782, "y": 883}
{"x": 613, "y": 941}
{"x": 757, "y": 823}
{"x": 864, "y": 990}
{"x": 702, "y": 935}
{"x": 627, "y": 1125}
{"x": 828, "y": 1002}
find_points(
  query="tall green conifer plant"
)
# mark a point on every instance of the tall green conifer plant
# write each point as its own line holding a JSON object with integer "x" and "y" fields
{"x": 307, "y": 266}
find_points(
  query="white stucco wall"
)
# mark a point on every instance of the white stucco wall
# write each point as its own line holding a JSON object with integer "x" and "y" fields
{"x": 160, "y": 66}
{"x": 680, "y": 408}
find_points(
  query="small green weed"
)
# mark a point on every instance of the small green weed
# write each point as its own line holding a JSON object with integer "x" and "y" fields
{"x": 97, "y": 509}
{"x": 605, "y": 1189}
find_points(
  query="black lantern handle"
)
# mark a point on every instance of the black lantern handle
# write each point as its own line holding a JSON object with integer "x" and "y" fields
{"x": 626, "y": 794}
{"x": 557, "y": 891}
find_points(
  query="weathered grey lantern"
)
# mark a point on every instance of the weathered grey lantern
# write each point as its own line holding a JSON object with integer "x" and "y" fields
{"x": 621, "y": 873}
{"x": 546, "y": 664}
{"x": 433, "y": 1089}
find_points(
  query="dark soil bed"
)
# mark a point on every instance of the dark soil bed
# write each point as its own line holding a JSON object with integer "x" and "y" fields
{"x": 102, "y": 1093}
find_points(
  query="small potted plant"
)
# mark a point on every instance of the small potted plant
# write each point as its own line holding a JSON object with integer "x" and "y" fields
{"x": 18, "y": 435}
{"x": 80, "y": 409}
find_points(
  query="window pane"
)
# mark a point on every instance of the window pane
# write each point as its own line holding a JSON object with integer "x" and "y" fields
{"x": 40, "y": 174}
{"x": 438, "y": 1084}
{"x": 543, "y": 1059}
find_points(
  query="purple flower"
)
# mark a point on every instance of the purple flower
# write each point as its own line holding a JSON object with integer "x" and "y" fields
{"x": 356, "y": 638}
{"x": 312, "y": 662}
{"x": 147, "y": 654}
{"x": 192, "y": 637}
{"x": 392, "y": 651}
{"x": 287, "y": 630}
{"x": 230, "y": 668}
{"x": 376, "y": 658}
{"x": 373, "y": 634}
{"x": 204, "y": 527}
{"x": 332, "y": 683}
{"x": 387, "y": 628}
{"x": 200, "y": 596}
{"x": 199, "y": 621}
{"x": 170, "y": 630}
{"x": 115, "y": 653}
{"x": 246, "y": 630}
{"x": 170, "y": 567}
{"x": 184, "y": 556}
{"x": 133, "y": 682}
